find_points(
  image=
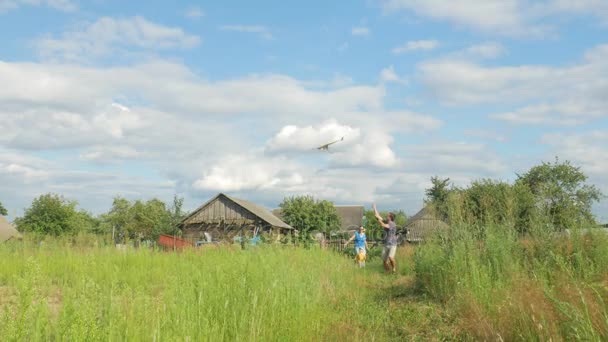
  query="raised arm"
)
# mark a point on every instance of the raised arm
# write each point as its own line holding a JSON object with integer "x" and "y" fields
{"x": 378, "y": 217}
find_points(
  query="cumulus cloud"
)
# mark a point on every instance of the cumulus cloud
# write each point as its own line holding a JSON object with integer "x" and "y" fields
{"x": 503, "y": 17}
{"x": 416, "y": 45}
{"x": 243, "y": 172}
{"x": 566, "y": 95}
{"x": 487, "y": 50}
{"x": 108, "y": 35}
{"x": 389, "y": 75}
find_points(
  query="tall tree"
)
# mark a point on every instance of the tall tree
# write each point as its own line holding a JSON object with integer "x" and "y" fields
{"x": 140, "y": 219}
{"x": 307, "y": 214}
{"x": 437, "y": 195}
{"x": 561, "y": 191}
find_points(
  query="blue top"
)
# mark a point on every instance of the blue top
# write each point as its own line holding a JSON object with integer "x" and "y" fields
{"x": 360, "y": 239}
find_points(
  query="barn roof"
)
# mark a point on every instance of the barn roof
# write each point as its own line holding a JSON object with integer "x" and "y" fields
{"x": 351, "y": 216}
{"x": 7, "y": 231}
{"x": 422, "y": 224}
{"x": 253, "y": 208}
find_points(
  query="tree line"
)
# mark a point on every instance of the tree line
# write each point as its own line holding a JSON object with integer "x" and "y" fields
{"x": 552, "y": 196}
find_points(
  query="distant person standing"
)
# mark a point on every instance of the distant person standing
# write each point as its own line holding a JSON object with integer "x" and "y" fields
{"x": 360, "y": 246}
{"x": 390, "y": 240}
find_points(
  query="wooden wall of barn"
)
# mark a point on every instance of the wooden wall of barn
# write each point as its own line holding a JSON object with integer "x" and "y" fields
{"x": 222, "y": 210}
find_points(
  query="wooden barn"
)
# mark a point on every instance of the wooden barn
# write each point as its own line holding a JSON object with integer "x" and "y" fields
{"x": 351, "y": 216}
{"x": 423, "y": 224}
{"x": 224, "y": 217}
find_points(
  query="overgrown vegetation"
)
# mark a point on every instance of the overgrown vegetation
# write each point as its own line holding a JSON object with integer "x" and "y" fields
{"x": 308, "y": 215}
{"x": 507, "y": 268}
{"x": 52, "y": 214}
{"x": 553, "y": 195}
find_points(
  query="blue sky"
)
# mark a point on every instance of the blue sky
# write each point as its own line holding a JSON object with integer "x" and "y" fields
{"x": 150, "y": 99}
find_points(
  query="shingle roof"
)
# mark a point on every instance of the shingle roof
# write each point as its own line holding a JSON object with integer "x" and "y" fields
{"x": 7, "y": 231}
{"x": 422, "y": 224}
{"x": 253, "y": 208}
{"x": 260, "y": 212}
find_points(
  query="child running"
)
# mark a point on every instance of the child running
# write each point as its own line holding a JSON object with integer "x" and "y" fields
{"x": 360, "y": 246}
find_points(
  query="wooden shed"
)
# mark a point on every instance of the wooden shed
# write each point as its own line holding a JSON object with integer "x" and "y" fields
{"x": 7, "y": 230}
{"x": 225, "y": 217}
{"x": 423, "y": 224}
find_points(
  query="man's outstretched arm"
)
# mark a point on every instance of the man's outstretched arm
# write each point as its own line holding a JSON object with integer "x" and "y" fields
{"x": 378, "y": 217}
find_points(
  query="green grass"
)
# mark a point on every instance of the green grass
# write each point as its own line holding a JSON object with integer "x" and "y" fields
{"x": 457, "y": 287}
{"x": 60, "y": 291}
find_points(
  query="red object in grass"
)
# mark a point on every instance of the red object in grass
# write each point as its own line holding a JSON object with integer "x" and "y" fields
{"x": 174, "y": 242}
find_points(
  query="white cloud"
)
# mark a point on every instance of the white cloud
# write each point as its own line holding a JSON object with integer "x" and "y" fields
{"x": 371, "y": 148}
{"x": 566, "y": 95}
{"x": 389, "y": 75}
{"x": 484, "y": 50}
{"x": 62, "y": 5}
{"x": 504, "y": 17}
{"x": 108, "y": 35}
{"x": 454, "y": 158}
{"x": 292, "y": 138}
{"x": 194, "y": 13}
{"x": 360, "y": 31}
{"x": 242, "y": 172}
{"x": 416, "y": 45}
{"x": 262, "y": 31}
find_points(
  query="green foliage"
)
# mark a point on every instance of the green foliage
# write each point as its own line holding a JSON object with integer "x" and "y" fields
{"x": 53, "y": 214}
{"x": 3, "y": 210}
{"x": 548, "y": 197}
{"x": 308, "y": 215}
{"x": 561, "y": 193}
{"x": 143, "y": 220}
{"x": 438, "y": 194}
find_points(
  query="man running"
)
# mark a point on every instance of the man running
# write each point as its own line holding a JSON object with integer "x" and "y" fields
{"x": 390, "y": 240}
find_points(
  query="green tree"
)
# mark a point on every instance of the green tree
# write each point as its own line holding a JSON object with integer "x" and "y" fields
{"x": 437, "y": 195}
{"x": 3, "y": 210}
{"x": 177, "y": 212}
{"x": 306, "y": 214}
{"x": 53, "y": 214}
{"x": 141, "y": 219}
{"x": 561, "y": 192}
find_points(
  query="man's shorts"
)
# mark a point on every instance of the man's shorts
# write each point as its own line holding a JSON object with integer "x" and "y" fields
{"x": 389, "y": 252}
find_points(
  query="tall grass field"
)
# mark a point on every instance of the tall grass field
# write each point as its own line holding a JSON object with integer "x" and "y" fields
{"x": 493, "y": 286}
